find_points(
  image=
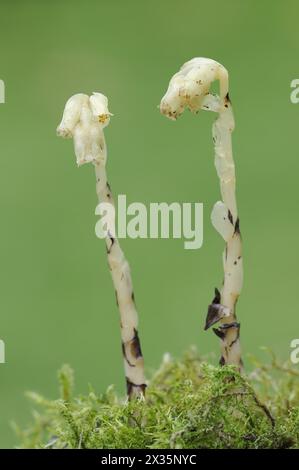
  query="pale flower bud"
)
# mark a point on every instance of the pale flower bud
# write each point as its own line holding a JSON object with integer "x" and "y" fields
{"x": 71, "y": 115}
{"x": 84, "y": 119}
{"x": 99, "y": 107}
{"x": 173, "y": 102}
{"x": 190, "y": 86}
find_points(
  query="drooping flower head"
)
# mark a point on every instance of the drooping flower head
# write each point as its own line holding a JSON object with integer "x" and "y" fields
{"x": 84, "y": 119}
{"x": 189, "y": 87}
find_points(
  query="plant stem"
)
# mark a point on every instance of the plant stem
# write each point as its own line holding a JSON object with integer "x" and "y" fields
{"x": 190, "y": 88}
{"x": 121, "y": 276}
{"x": 84, "y": 119}
{"x": 226, "y": 221}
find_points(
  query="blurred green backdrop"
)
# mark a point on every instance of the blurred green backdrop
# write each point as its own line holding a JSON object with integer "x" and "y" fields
{"x": 57, "y": 300}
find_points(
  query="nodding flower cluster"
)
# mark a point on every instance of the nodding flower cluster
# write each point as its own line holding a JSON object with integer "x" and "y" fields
{"x": 84, "y": 119}
{"x": 189, "y": 88}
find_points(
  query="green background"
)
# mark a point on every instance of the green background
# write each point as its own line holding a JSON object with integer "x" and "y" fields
{"x": 57, "y": 300}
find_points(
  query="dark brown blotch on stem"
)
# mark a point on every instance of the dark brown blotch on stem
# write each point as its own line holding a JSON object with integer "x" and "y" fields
{"x": 227, "y": 100}
{"x": 135, "y": 346}
{"x": 217, "y": 297}
{"x": 112, "y": 240}
{"x": 213, "y": 316}
{"x": 214, "y": 311}
{"x": 131, "y": 388}
{"x": 222, "y": 361}
{"x": 227, "y": 326}
{"x": 237, "y": 226}
{"x": 218, "y": 332}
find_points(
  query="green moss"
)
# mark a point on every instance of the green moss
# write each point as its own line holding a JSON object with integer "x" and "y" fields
{"x": 189, "y": 404}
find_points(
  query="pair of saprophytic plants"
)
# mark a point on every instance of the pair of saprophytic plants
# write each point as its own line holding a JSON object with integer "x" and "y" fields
{"x": 84, "y": 119}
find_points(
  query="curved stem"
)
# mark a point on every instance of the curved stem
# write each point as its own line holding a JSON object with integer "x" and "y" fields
{"x": 190, "y": 88}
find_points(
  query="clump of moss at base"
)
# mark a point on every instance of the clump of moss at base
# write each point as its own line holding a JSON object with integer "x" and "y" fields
{"x": 189, "y": 404}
